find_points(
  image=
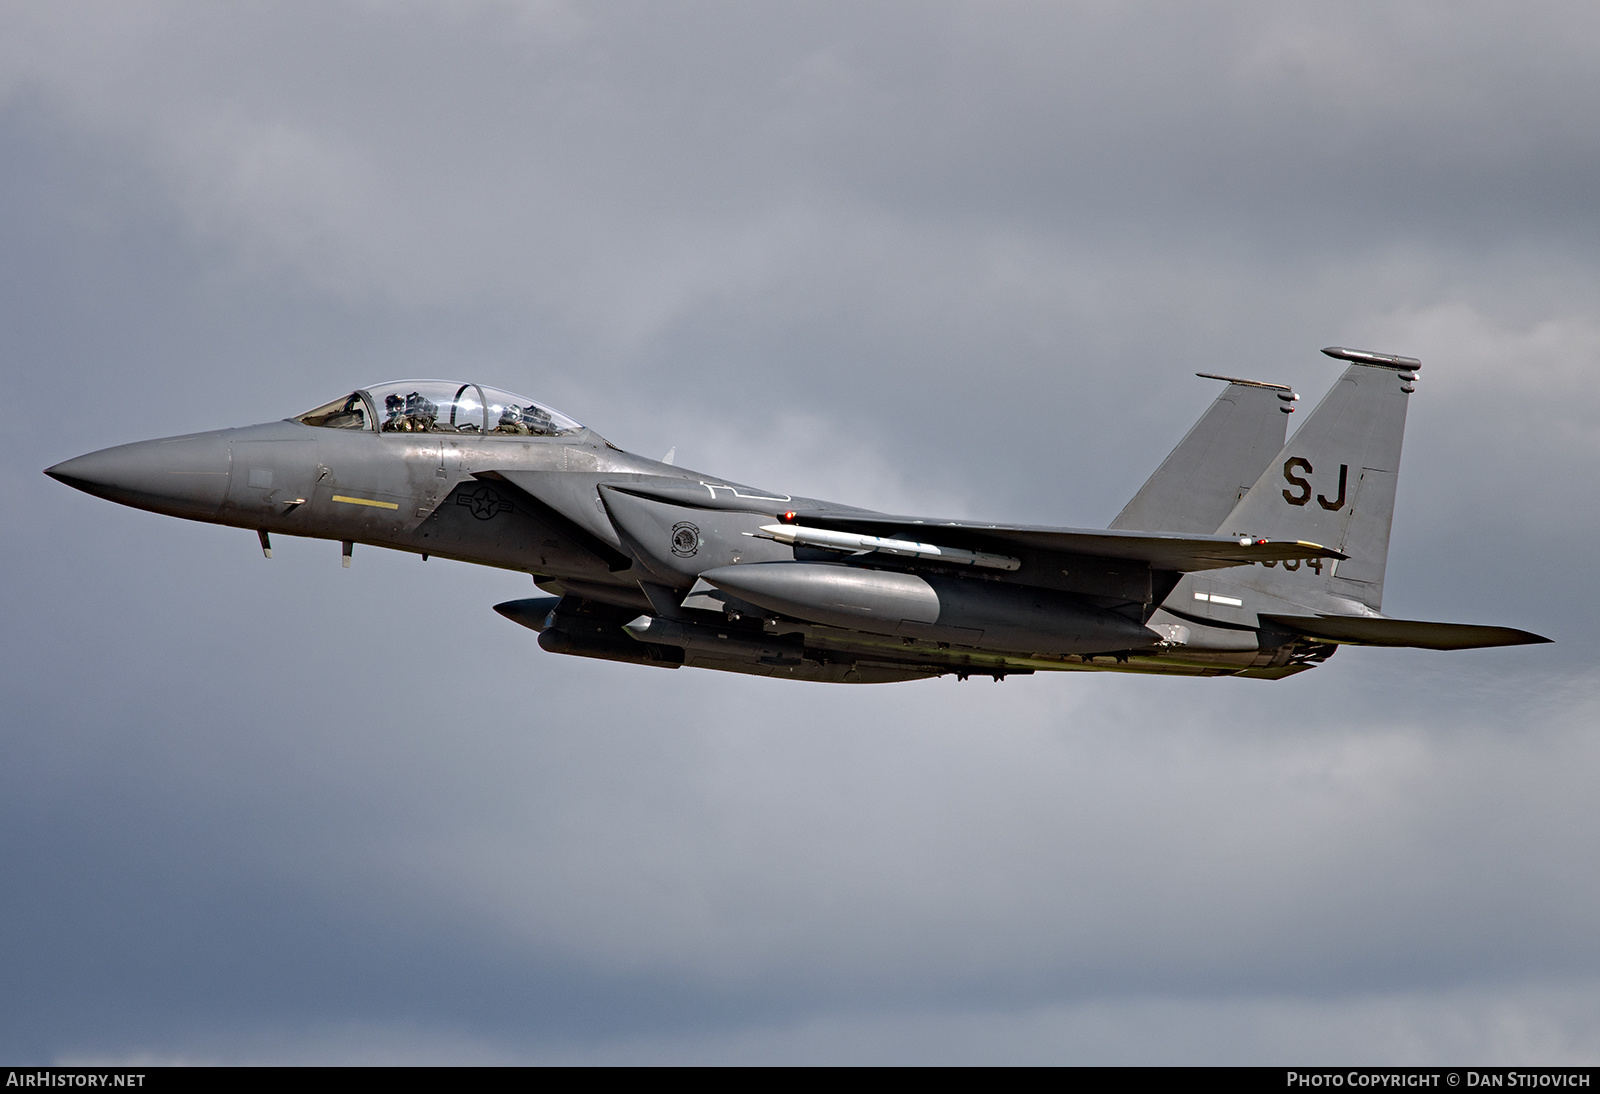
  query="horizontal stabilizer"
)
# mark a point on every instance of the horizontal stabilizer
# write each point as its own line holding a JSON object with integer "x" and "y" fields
{"x": 1359, "y": 630}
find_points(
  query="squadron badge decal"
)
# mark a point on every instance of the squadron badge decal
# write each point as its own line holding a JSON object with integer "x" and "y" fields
{"x": 685, "y": 539}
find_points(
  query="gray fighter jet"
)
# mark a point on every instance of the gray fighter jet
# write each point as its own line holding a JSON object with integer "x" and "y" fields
{"x": 1241, "y": 556}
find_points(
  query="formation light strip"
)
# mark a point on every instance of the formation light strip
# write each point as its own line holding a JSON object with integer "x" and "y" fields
{"x": 366, "y": 501}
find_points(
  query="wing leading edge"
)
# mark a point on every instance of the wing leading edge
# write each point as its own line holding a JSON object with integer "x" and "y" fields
{"x": 1183, "y": 554}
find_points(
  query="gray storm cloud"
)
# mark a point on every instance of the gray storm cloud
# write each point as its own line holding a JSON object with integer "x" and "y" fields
{"x": 931, "y": 258}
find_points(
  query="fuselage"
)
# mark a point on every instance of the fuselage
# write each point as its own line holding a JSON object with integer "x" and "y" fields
{"x": 563, "y": 508}
{"x": 1233, "y": 559}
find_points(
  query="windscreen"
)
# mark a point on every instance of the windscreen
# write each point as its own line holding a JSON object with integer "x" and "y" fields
{"x": 349, "y": 412}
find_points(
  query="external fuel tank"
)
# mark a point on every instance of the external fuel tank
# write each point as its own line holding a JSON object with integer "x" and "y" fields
{"x": 958, "y": 610}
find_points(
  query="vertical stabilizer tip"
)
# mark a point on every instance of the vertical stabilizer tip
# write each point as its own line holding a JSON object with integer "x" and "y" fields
{"x": 1376, "y": 360}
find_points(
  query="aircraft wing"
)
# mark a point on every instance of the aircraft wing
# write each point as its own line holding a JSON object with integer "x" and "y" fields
{"x": 1160, "y": 551}
{"x": 1182, "y": 554}
{"x": 1357, "y": 630}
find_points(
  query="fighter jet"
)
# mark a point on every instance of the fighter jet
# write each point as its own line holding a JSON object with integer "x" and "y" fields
{"x": 1243, "y": 555}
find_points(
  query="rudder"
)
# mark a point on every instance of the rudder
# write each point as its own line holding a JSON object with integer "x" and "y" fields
{"x": 1334, "y": 482}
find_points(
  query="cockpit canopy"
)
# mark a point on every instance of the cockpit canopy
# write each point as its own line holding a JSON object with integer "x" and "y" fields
{"x": 440, "y": 406}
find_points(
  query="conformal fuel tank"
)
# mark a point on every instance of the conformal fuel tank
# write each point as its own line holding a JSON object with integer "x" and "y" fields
{"x": 961, "y": 611}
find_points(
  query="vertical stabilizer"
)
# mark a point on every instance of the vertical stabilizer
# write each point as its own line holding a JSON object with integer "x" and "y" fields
{"x": 1198, "y": 485}
{"x": 1334, "y": 484}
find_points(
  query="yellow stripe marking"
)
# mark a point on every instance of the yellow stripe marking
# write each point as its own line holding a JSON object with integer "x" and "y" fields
{"x": 366, "y": 501}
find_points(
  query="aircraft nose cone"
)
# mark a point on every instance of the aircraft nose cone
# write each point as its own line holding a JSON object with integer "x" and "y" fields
{"x": 94, "y": 473}
{"x": 182, "y": 476}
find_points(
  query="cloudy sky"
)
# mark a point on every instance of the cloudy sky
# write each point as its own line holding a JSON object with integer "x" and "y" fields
{"x": 942, "y": 258}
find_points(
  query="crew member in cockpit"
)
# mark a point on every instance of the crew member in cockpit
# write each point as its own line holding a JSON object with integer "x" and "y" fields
{"x": 511, "y": 421}
{"x": 413, "y": 414}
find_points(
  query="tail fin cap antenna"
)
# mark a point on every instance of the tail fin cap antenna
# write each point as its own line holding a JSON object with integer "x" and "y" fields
{"x": 1376, "y": 360}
